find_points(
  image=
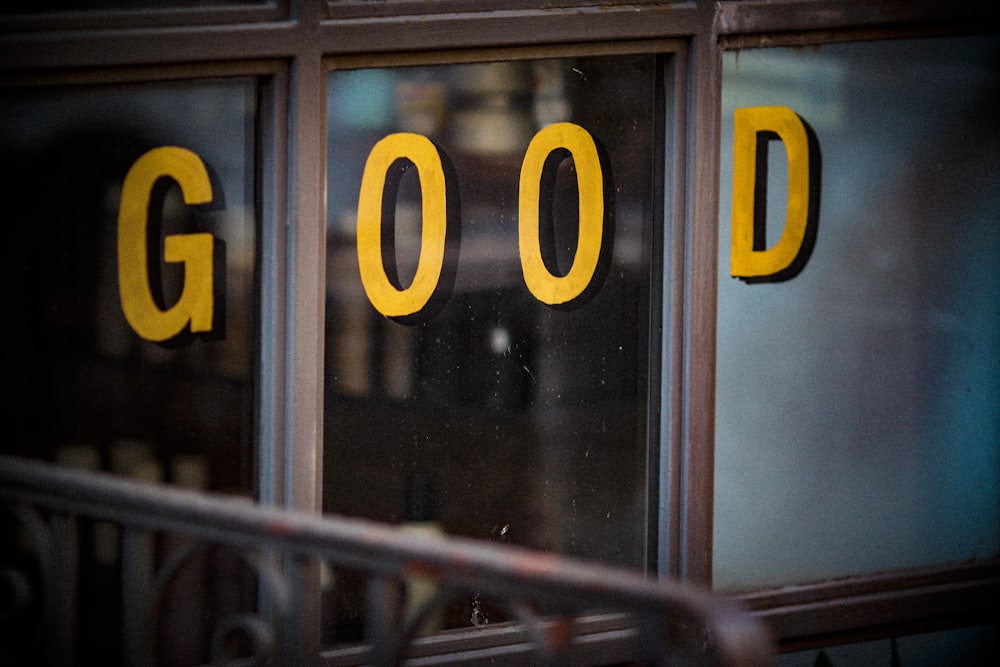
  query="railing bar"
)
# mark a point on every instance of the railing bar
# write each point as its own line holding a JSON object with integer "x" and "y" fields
{"x": 137, "y": 573}
{"x": 501, "y": 571}
{"x": 382, "y": 609}
{"x": 40, "y": 536}
{"x": 357, "y": 543}
{"x": 60, "y": 607}
{"x": 365, "y": 545}
{"x": 298, "y": 631}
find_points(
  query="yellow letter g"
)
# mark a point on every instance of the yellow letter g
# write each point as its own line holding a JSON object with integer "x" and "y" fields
{"x": 195, "y": 305}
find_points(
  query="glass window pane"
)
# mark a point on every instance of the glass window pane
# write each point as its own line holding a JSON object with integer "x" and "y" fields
{"x": 496, "y": 415}
{"x": 858, "y": 402}
{"x": 89, "y": 388}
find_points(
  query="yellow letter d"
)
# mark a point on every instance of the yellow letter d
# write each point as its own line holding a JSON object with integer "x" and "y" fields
{"x": 752, "y": 128}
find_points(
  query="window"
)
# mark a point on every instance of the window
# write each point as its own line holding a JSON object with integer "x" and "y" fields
{"x": 822, "y": 446}
{"x": 521, "y": 412}
{"x": 513, "y": 404}
{"x": 94, "y": 389}
{"x": 869, "y": 380}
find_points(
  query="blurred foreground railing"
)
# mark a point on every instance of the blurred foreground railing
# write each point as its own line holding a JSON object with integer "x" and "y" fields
{"x": 83, "y": 554}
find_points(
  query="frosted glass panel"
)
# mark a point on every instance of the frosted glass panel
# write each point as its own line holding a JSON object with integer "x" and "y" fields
{"x": 857, "y": 420}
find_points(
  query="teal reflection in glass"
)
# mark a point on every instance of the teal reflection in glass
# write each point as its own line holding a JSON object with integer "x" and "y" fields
{"x": 858, "y": 404}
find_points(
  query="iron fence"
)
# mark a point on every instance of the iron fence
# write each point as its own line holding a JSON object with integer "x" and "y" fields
{"x": 93, "y": 562}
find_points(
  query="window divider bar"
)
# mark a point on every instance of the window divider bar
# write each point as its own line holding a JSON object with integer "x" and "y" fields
{"x": 879, "y": 606}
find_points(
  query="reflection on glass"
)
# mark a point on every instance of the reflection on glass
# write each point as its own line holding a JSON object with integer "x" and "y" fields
{"x": 90, "y": 390}
{"x": 498, "y": 417}
{"x": 85, "y": 389}
{"x": 858, "y": 404}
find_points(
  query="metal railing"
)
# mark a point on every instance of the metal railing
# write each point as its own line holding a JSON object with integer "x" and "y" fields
{"x": 561, "y": 611}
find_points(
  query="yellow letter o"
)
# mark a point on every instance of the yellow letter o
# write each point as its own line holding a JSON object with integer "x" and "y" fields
{"x": 387, "y": 298}
{"x": 545, "y": 286}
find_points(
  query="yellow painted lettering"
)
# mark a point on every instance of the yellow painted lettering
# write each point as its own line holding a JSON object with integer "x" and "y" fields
{"x": 751, "y": 127}
{"x": 195, "y": 251}
{"x": 388, "y": 158}
{"x": 541, "y": 282}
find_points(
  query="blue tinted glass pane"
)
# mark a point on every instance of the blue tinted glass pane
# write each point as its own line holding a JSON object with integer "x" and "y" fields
{"x": 858, "y": 402}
